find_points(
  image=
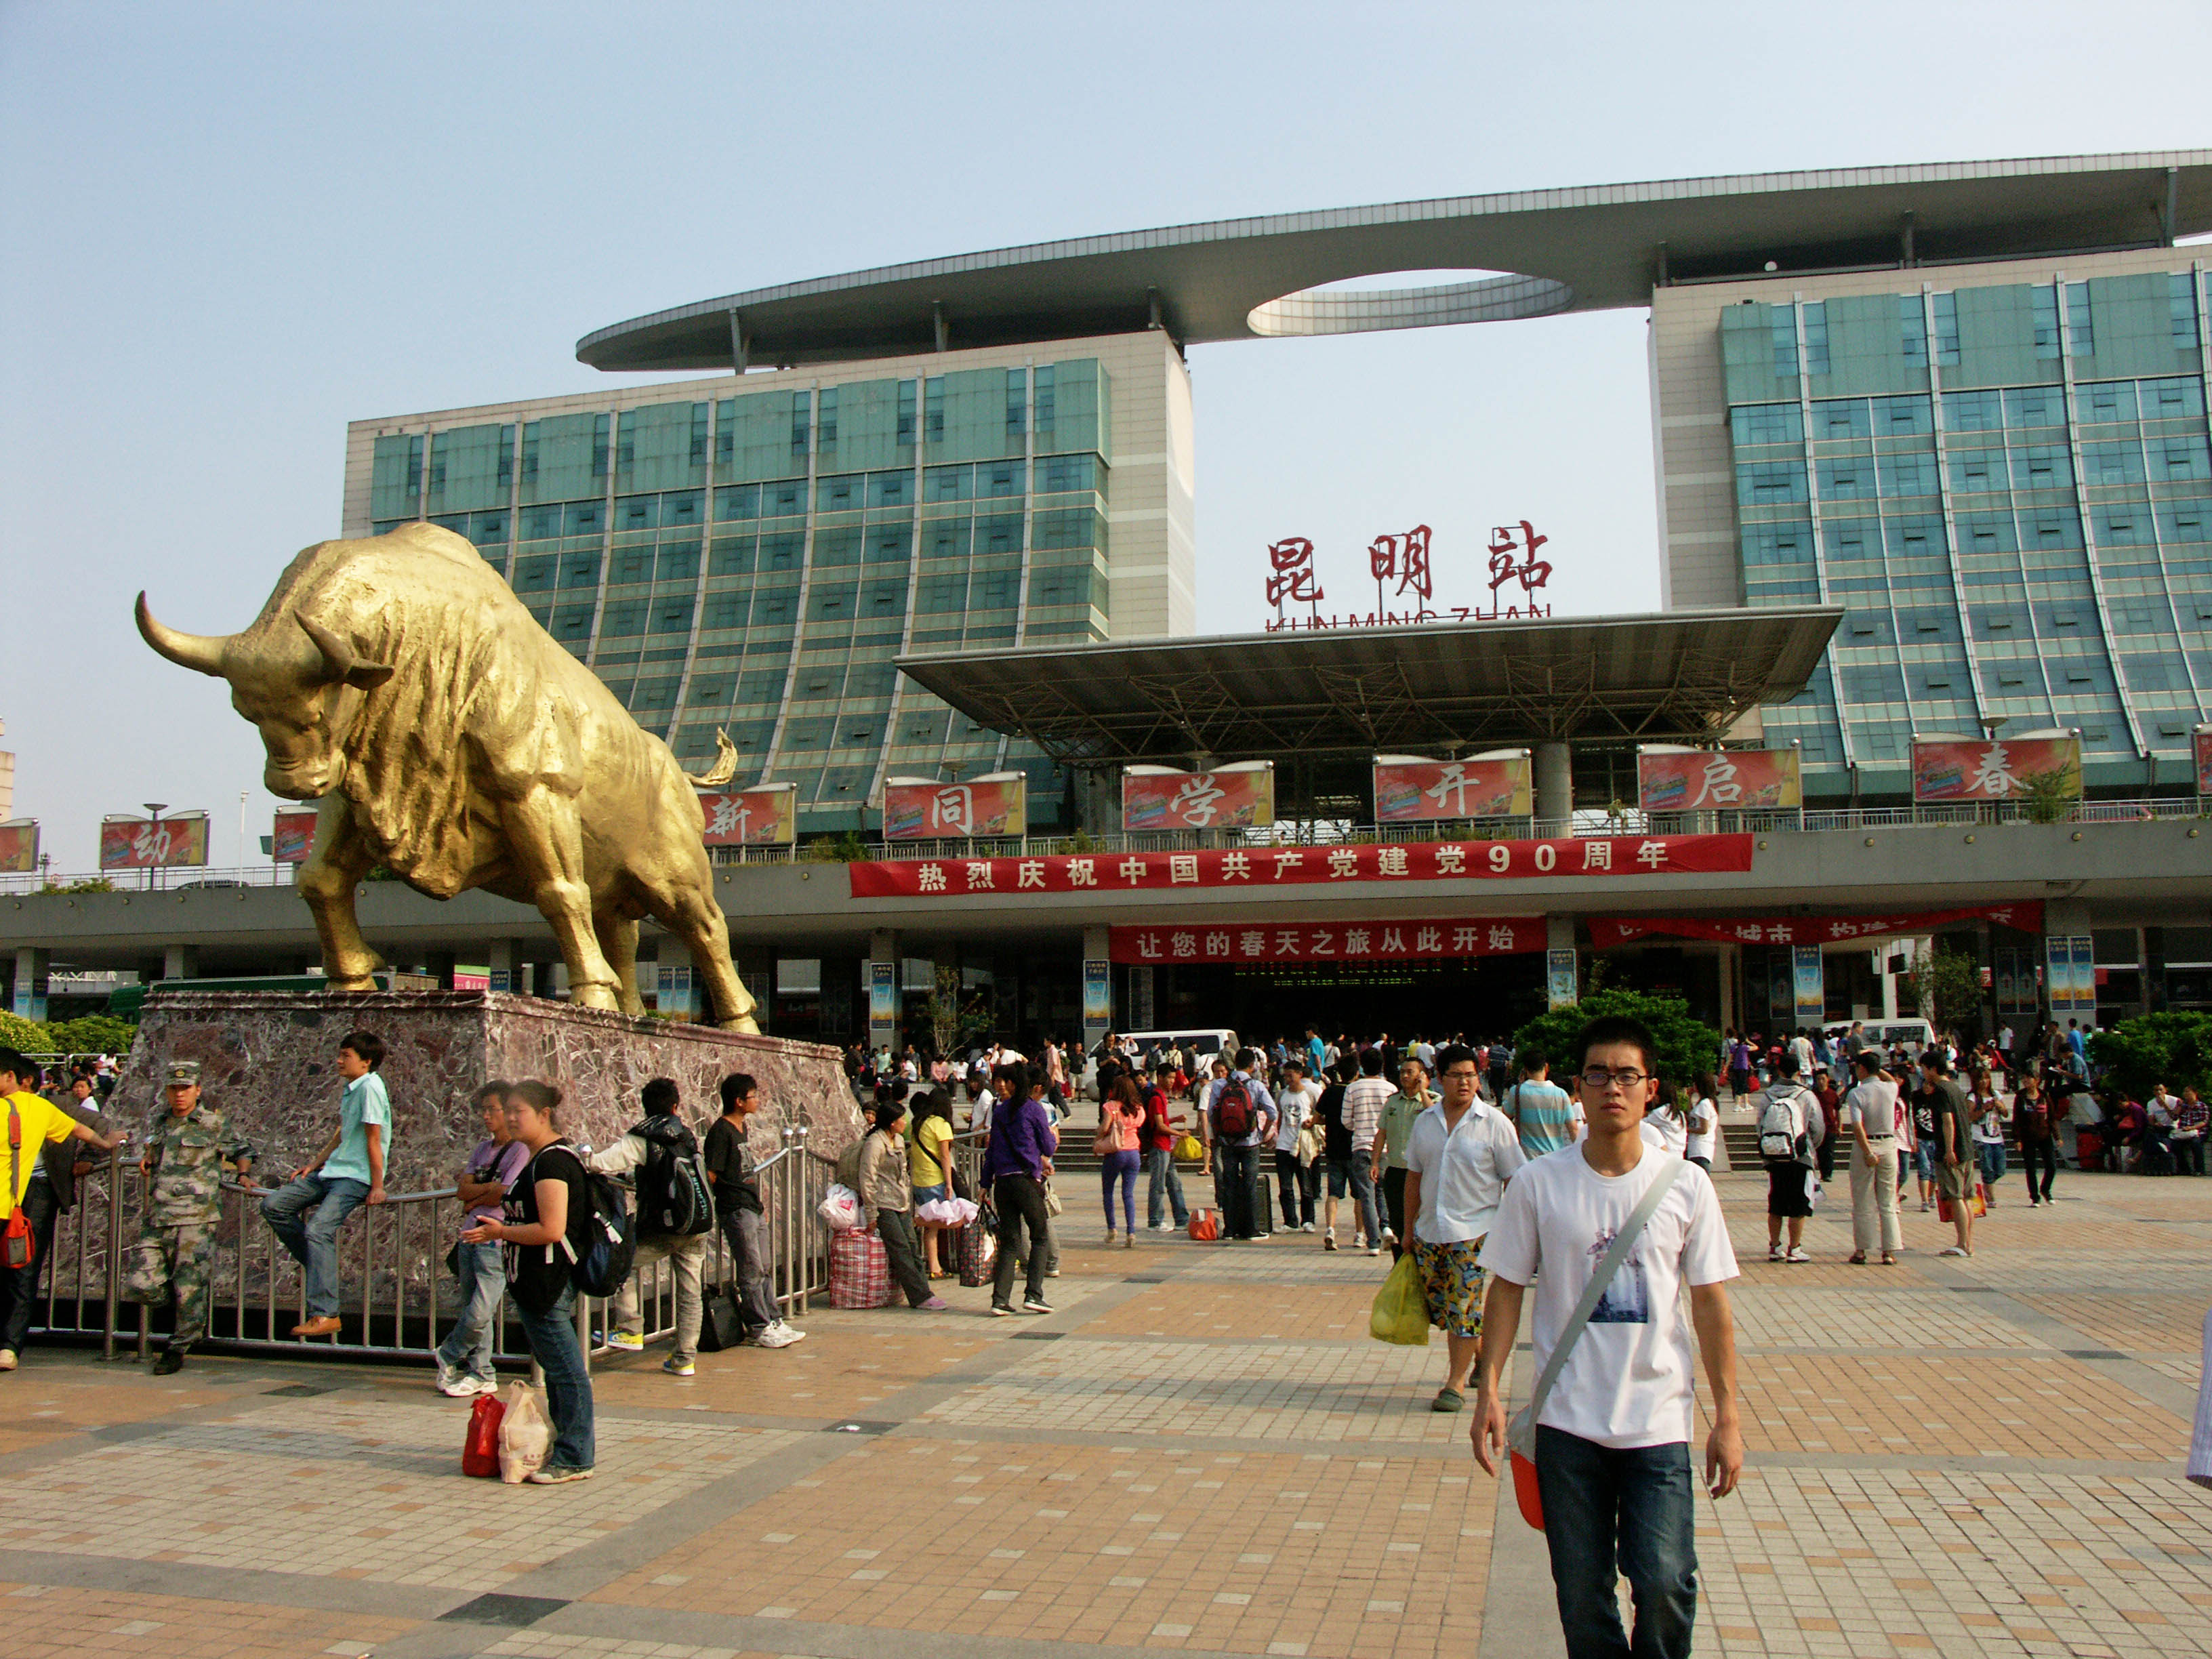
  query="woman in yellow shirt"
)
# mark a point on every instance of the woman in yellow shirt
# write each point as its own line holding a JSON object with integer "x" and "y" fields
{"x": 36, "y": 1123}
{"x": 929, "y": 1167}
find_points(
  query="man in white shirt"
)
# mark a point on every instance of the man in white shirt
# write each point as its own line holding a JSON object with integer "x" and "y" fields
{"x": 1612, "y": 1454}
{"x": 1298, "y": 1184}
{"x": 1870, "y": 1115}
{"x": 1459, "y": 1155}
{"x": 1364, "y": 1097}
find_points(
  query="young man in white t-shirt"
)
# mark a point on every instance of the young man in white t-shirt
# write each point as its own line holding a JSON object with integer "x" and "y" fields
{"x": 1612, "y": 1454}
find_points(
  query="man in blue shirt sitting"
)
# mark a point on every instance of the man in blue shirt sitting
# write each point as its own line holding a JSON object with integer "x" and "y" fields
{"x": 307, "y": 1211}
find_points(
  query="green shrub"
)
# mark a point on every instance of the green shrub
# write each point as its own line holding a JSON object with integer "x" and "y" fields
{"x": 1687, "y": 1046}
{"x": 2173, "y": 1049}
{"x": 89, "y": 1034}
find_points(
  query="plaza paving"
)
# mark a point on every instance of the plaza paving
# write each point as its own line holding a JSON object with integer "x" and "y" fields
{"x": 1201, "y": 1451}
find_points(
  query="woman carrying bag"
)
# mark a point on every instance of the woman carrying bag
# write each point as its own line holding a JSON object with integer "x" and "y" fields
{"x": 1120, "y": 1115}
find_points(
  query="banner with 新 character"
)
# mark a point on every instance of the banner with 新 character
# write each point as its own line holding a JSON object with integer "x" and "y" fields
{"x": 1607, "y": 931}
{"x": 18, "y": 845}
{"x": 1227, "y": 798}
{"x": 1600, "y": 857}
{"x": 1703, "y": 780}
{"x": 915, "y": 809}
{"x": 767, "y": 816}
{"x": 1410, "y": 791}
{"x": 139, "y": 843}
{"x": 293, "y": 838}
{"x": 1982, "y": 769}
{"x": 1329, "y": 941}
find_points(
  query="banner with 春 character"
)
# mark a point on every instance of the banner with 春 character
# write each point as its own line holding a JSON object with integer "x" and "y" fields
{"x": 129, "y": 843}
{"x": 918, "y": 809}
{"x": 1705, "y": 780}
{"x": 1239, "y": 797}
{"x": 1408, "y": 790}
{"x": 1329, "y": 941}
{"x": 1986, "y": 768}
{"x": 766, "y": 816}
{"x": 293, "y": 838}
{"x": 18, "y": 845}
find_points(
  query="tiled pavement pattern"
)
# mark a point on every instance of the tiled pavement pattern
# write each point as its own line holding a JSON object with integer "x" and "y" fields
{"x": 1200, "y": 1451}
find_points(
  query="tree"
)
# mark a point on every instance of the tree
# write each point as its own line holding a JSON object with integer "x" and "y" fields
{"x": 1687, "y": 1047}
{"x": 90, "y": 1034}
{"x": 951, "y": 1025}
{"x": 2172, "y": 1048}
{"x": 2049, "y": 796}
{"x": 1947, "y": 987}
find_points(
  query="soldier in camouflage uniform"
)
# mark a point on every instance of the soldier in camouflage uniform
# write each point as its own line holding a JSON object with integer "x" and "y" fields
{"x": 187, "y": 1145}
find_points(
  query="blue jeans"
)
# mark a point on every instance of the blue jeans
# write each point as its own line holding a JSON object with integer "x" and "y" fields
{"x": 484, "y": 1281}
{"x": 1164, "y": 1183}
{"x": 312, "y": 1238}
{"x": 552, "y": 1338}
{"x": 1635, "y": 1508}
{"x": 1357, "y": 1173}
{"x": 1119, "y": 1167}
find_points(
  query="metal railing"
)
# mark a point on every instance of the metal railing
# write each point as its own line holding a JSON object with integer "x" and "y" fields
{"x": 160, "y": 879}
{"x": 399, "y": 1300}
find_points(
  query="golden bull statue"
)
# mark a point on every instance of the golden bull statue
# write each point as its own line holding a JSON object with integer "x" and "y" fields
{"x": 399, "y": 683}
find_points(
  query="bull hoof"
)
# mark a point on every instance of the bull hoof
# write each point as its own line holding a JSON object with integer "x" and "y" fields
{"x": 350, "y": 983}
{"x": 595, "y": 996}
{"x": 748, "y": 1025}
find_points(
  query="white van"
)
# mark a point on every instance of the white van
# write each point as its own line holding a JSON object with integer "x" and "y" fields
{"x": 1202, "y": 1041}
{"x": 1914, "y": 1034}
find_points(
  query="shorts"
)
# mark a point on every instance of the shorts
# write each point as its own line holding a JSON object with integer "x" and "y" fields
{"x": 1339, "y": 1176}
{"x": 937, "y": 1194}
{"x": 1924, "y": 1158}
{"x": 1451, "y": 1284}
{"x": 1956, "y": 1180}
{"x": 1789, "y": 1189}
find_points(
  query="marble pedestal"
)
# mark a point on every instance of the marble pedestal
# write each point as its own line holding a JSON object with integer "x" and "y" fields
{"x": 268, "y": 1059}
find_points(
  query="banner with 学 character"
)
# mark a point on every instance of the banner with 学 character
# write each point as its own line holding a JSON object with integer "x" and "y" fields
{"x": 1239, "y": 797}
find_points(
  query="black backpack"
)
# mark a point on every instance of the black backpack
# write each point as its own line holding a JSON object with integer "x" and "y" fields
{"x": 673, "y": 1198}
{"x": 600, "y": 1264}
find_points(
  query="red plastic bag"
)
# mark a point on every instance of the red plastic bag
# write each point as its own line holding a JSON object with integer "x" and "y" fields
{"x": 480, "y": 1451}
{"x": 1526, "y": 1492}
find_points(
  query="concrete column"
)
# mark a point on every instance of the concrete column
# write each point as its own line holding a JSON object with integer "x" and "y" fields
{"x": 1097, "y": 987}
{"x": 1555, "y": 781}
{"x": 1563, "y": 968}
{"x": 32, "y": 966}
{"x": 180, "y": 962}
{"x": 1730, "y": 957}
{"x": 440, "y": 965}
{"x": 883, "y": 988}
{"x": 502, "y": 959}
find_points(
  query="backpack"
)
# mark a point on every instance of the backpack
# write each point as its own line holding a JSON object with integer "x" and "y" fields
{"x": 673, "y": 1198}
{"x": 602, "y": 1266}
{"x": 1781, "y": 1135}
{"x": 1232, "y": 1113}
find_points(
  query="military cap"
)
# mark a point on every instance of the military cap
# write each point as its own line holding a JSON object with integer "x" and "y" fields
{"x": 184, "y": 1073}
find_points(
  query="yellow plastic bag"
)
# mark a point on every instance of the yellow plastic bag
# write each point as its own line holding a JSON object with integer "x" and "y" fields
{"x": 1401, "y": 1313}
{"x": 1187, "y": 1150}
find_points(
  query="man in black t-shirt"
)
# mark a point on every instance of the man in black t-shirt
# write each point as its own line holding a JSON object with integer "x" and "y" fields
{"x": 737, "y": 1210}
{"x": 1955, "y": 1172}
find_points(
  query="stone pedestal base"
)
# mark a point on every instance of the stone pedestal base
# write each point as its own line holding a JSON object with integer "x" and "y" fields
{"x": 268, "y": 1060}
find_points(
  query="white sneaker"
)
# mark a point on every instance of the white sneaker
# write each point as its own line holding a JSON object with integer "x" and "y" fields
{"x": 779, "y": 1335}
{"x": 7, "y": 1359}
{"x": 1307, "y": 1228}
{"x": 465, "y": 1387}
{"x": 448, "y": 1380}
{"x": 1797, "y": 1253}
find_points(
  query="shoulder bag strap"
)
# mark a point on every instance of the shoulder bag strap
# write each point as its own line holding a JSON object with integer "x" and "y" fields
{"x": 15, "y": 1148}
{"x": 1523, "y": 1434}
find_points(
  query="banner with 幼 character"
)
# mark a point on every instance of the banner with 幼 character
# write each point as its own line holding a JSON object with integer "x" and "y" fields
{"x": 1992, "y": 769}
{"x": 1241, "y": 796}
{"x": 918, "y": 809}
{"x": 1409, "y": 790}
{"x": 765, "y": 815}
{"x": 129, "y": 843}
{"x": 1671, "y": 780}
{"x": 1329, "y": 941}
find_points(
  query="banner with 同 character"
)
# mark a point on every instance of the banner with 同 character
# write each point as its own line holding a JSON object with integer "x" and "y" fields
{"x": 1672, "y": 780}
{"x": 1408, "y": 790}
{"x": 1993, "y": 769}
{"x": 917, "y": 809}
{"x": 1239, "y": 797}
{"x": 766, "y": 816}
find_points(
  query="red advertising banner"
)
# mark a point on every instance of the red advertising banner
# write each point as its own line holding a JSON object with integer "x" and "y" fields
{"x": 1393, "y": 941}
{"x": 1296, "y": 866}
{"x": 1228, "y": 798}
{"x": 1418, "y": 791}
{"x": 137, "y": 843}
{"x": 1729, "y": 779}
{"x": 2204, "y": 748}
{"x": 764, "y": 817}
{"x": 295, "y": 837}
{"x": 18, "y": 845}
{"x": 1608, "y": 930}
{"x": 917, "y": 810}
{"x": 1981, "y": 769}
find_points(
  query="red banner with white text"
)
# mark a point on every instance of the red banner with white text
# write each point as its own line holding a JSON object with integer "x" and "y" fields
{"x": 1394, "y": 941}
{"x": 1608, "y": 930}
{"x": 1299, "y": 866}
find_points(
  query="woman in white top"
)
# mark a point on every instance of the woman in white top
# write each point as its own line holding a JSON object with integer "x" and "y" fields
{"x": 1704, "y": 1125}
{"x": 1988, "y": 1132}
{"x": 1665, "y": 1125}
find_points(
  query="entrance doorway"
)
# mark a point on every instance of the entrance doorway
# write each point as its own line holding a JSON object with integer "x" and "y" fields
{"x": 1482, "y": 997}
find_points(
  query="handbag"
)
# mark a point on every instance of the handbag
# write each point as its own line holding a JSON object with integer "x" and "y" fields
{"x": 1108, "y": 1140}
{"x": 20, "y": 1244}
{"x": 1521, "y": 1434}
{"x": 1205, "y": 1227}
{"x": 1052, "y": 1204}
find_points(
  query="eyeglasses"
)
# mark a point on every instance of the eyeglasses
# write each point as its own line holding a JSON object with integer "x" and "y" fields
{"x": 1596, "y": 1077}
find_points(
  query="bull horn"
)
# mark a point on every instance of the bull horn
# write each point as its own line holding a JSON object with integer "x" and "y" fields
{"x": 341, "y": 661}
{"x": 203, "y": 652}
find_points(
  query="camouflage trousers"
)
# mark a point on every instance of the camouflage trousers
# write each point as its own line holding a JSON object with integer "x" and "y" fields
{"x": 179, "y": 1258}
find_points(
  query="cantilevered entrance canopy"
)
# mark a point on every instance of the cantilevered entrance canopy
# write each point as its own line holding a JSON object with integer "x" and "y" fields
{"x": 1680, "y": 677}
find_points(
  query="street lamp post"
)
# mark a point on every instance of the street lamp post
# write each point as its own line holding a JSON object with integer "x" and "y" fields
{"x": 154, "y": 842}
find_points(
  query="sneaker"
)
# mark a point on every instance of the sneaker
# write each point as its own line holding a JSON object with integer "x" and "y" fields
{"x": 676, "y": 1366}
{"x": 935, "y": 1304}
{"x": 1328, "y": 1241}
{"x": 1375, "y": 1249}
{"x": 1052, "y": 1273}
{"x": 627, "y": 1341}
{"x": 1307, "y": 1228}
{"x": 1001, "y": 1310}
{"x": 553, "y": 1475}
{"x": 1263, "y": 1234}
{"x": 1036, "y": 1304}
{"x": 1774, "y": 1253}
{"x": 448, "y": 1378}
{"x": 7, "y": 1359}
{"x": 1797, "y": 1253}
{"x": 779, "y": 1335}
{"x": 462, "y": 1386}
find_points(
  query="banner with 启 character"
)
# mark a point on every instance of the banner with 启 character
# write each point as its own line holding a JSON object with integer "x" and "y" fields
{"x": 19, "y": 846}
{"x": 1239, "y": 797}
{"x": 1498, "y": 784}
{"x": 920, "y": 809}
{"x": 294, "y": 838}
{"x": 1993, "y": 769}
{"x": 1670, "y": 779}
{"x": 135, "y": 844}
{"x": 766, "y": 815}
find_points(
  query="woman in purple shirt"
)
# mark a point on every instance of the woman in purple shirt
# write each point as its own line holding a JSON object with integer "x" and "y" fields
{"x": 464, "y": 1366}
{"x": 1016, "y": 1162}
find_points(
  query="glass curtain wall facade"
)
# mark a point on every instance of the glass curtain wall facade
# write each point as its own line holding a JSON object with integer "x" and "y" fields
{"x": 756, "y": 562}
{"x": 2009, "y": 488}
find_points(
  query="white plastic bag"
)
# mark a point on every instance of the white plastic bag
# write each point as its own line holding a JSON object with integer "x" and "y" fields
{"x": 525, "y": 1435}
{"x": 840, "y": 1208}
{"x": 947, "y": 1211}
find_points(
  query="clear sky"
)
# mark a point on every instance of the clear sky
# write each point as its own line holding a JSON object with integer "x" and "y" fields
{"x": 229, "y": 229}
